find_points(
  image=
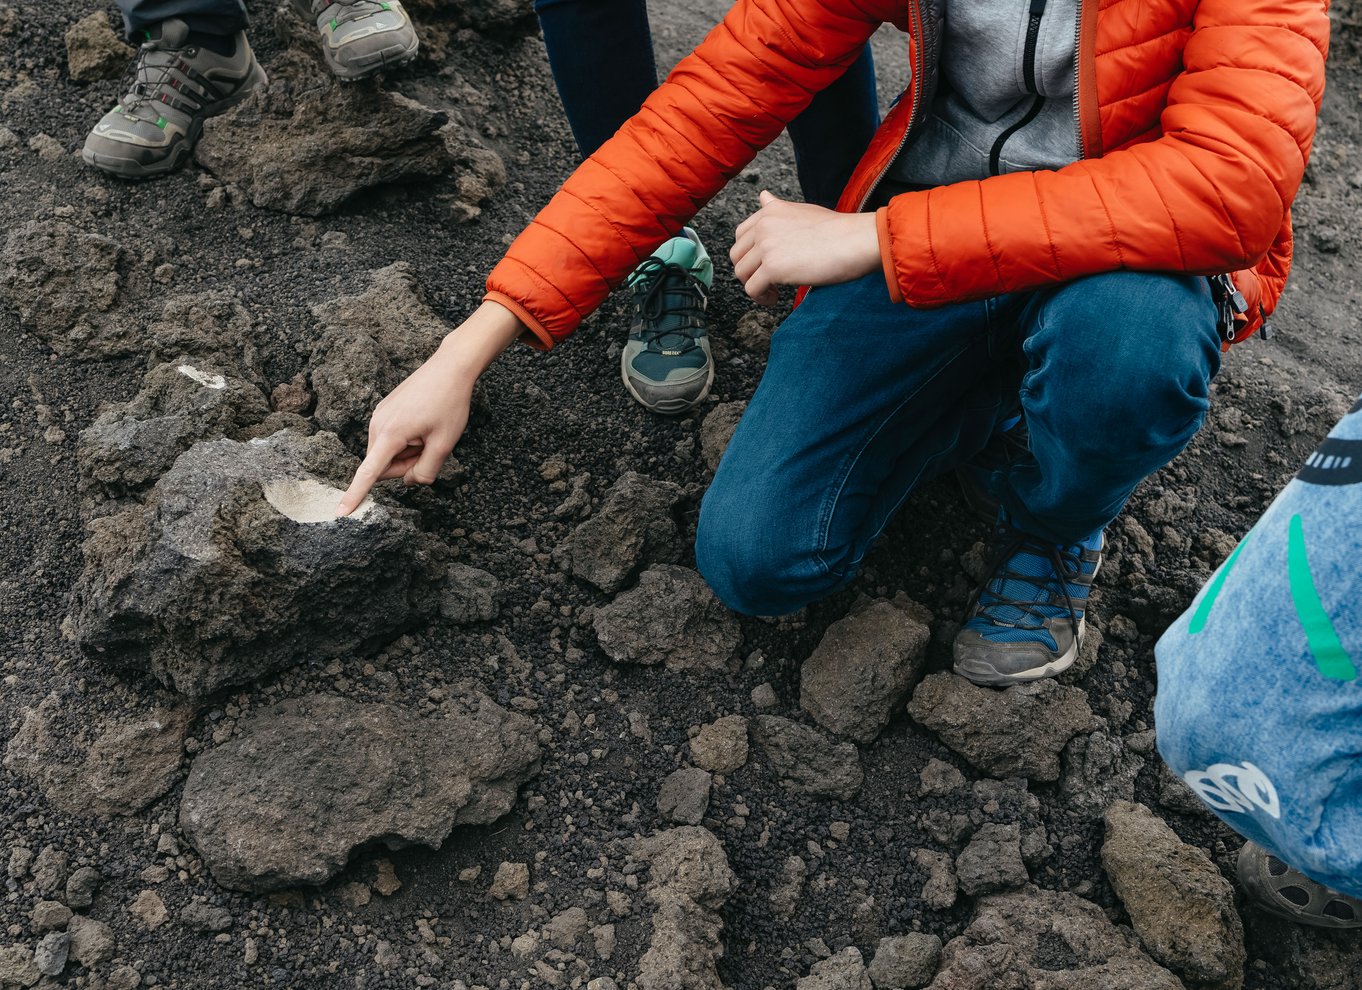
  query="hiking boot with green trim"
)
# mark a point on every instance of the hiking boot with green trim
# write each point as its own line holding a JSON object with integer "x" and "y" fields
{"x": 666, "y": 364}
{"x": 175, "y": 87}
{"x": 360, "y": 37}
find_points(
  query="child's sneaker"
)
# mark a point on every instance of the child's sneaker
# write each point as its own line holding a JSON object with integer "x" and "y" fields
{"x": 176, "y": 87}
{"x": 666, "y": 364}
{"x": 360, "y": 37}
{"x": 1027, "y": 619}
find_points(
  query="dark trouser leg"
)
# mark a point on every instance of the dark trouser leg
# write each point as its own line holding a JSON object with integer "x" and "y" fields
{"x": 203, "y": 16}
{"x": 601, "y": 54}
{"x": 862, "y": 399}
{"x": 832, "y": 134}
{"x": 1118, "y": 381}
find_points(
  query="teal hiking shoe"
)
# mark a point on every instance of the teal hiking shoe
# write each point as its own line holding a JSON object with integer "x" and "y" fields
{"x": 1027, "y": 618}
{"x": 666, "y": 364}
{"x": 360, "y": 37}
{"x": 175, "y": 87}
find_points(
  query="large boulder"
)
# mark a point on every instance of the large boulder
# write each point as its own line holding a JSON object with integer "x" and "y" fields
{"x": 635, "y": 526}
{"x": 235, "y": 566}
{"x": 308, "y": 781}
{"x": 307, "y": 143}
{"x": 862, "y": 670}
{"x": 669, "y": 617}
{"x": 1046, "y": 940}
{"x": 1017, "y": 732}
{"x": 1179, "y": 903}
{"x": 367, "y": 345}
{"x": 806, "y": 761}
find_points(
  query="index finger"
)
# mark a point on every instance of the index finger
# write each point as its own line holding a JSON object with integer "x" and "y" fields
{"x": 380, "y": 455}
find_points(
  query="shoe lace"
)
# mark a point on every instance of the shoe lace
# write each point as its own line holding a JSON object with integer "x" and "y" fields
{"x": 160, "y": 82}
{"x": 665, "y": 289}
{"x": 1009, "y": 543}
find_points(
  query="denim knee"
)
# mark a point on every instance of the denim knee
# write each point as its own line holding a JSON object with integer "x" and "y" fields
{"x": 752, "y": 561}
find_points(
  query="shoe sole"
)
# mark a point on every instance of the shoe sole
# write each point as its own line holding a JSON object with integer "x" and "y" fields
{"x": 985, "y": 675}
{"x": 388, "y": 58}
{"x": 127, "y": 168}
{"x": 668, "y": 407}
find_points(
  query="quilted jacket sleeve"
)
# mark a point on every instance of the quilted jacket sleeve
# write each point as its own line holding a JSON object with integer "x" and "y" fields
{"x": 1210, "y": 195}
{"x": 753, "y": 74}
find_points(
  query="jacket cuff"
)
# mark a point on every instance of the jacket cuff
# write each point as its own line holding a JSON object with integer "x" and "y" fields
{"x": 535, "y": 335}
{"x": 891, "y": 276}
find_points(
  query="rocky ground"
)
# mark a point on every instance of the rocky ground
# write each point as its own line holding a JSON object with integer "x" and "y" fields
{"x": 498, "y": 734}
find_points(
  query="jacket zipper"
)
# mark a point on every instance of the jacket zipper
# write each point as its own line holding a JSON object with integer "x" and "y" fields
{"x": 1029, "y": 72}
{"x": 919, "y": 67}
{"x": 1078, "y": 79}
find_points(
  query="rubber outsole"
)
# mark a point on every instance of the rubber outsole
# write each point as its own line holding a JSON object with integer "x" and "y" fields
{"x": 667, "y": 407}
{"x": 388, "y": 58}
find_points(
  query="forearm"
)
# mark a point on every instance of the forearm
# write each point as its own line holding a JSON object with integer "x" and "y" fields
{"x": 469, "y": 349}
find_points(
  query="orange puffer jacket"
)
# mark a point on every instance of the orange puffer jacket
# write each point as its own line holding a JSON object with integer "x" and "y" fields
{"x": 1196, "y": 119}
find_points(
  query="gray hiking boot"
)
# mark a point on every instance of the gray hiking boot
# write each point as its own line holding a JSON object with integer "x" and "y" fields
{"x": 666, "y": 364}
{"x": 176, "y": 87}
{"x": 1282, "y": 890}
{"x": 360, "y": 37}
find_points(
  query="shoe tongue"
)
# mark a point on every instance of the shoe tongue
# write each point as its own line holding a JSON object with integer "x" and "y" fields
{"x": 679, "y": 251}
{"x": 170, "y": 34}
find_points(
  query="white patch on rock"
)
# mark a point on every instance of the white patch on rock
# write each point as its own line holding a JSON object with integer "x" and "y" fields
{"x": 203, "y": 377}
{"x": 306, "y": 501}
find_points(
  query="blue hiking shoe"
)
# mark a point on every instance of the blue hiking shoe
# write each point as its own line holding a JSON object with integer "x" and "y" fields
{"x": 1027, "y": 618}
{"x": 666, "y": 364}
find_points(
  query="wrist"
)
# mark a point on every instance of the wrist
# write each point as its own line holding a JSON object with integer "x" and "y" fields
{"x": 471, "y": 347}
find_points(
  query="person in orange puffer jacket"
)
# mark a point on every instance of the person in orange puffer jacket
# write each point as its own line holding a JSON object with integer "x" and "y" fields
{"x": 1070, "y": 212}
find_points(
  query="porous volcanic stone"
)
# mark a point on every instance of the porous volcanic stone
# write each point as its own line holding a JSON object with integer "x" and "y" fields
{"x": 367, "y": 345}
{"x": 235, "y": 567}
{"x": 992, "y": 861}
{"x": 669, "y": 617}
{"x": 684, "y": 796}
{"x": 470, "y": 595}
{"x": 1098, "y": 769}
{"x": 477, "y": 14}
{"x": 133, "y": 443}
{"x": 905, "y": 962}
{"x": 1016, "y": 732}
{"x": 1044, "y": 939}
{"x": 844, "y": 971}
{"x": 717, "y": 430}
{"x": 806, "y": 761}
{"x": 635, "y": 526}
{"x": 690, "y": 881}
{"x": 307, "y": 143}
{"x": 129, "y": 764}
{"x": 863, "y": 668}
{"x": 310, "y": 780}
{"x": 92, "y": 941}
{"x": 93, "y": 51}
{"x": 721, "y": 746}
{"x": 1178, "y": 901}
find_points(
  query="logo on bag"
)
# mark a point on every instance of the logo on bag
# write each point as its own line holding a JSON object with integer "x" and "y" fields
{"x": 1233, "y": 789}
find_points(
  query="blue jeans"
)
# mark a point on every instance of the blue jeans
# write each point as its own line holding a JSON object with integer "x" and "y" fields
{"x": 204, "y": 16}
{"x": 601, "y": 54}
{"x": 864, "y": 399}
{"x": 1260, "y": 681}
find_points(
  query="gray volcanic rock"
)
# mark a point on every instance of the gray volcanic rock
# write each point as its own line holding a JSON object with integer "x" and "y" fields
{"x": 1097, "y": 770}
{"x": 992, "y": 861}
{"x": 844, "y": 971}
{"x": 310, "y": 780}
{"x": 129, "y": 764}
{"x": 210, "y": 327}
{"x": 67, "y": 284}
{"x": 690, "y": 882}
{"x": 1178, "y": 901}
{"x": 307, "y": 143}
{"x": 806, "y": 761}
{"x": 1044, "y": 940}
{"x": 477, "y": 14}
{"x": 669, "y": 617}
{"x": 863, "y": 668}
{"x": 717, "y": 430}
{"x": 133, "y": 443}
{"x": 905, "y": 962}
{"x": 93, "y": 51}
{"x": 684, "y": 796}
{"x": 1016, "y": 732}
{"x": 721, "y": 746}
{"x": 471, "y": 595}
{"x": 235, "y": 567}
{"x": 368, "y": 344}
{"x": 634, "y": 527}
